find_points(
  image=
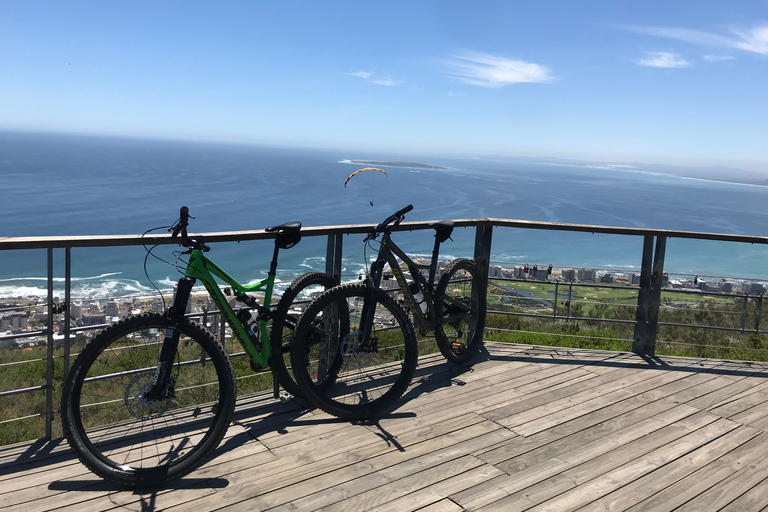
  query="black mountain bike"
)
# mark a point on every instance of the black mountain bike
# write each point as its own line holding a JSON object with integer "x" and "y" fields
{"x": 358, "y": 370}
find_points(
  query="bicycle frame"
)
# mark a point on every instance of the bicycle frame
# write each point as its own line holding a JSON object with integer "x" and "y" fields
{"x": 203, "y": 269}
{"x": 389, "y": 253}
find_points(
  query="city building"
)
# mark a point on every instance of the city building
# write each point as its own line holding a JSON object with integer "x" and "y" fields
{"x": 94, "y": 318}
{"x": 753, "y": 288}
{"x": 539, "y": 274}
{"x": 13, "y": 320}
{"x": 111, "y": 309}
{"x": 568, "y": 274}
{"x": 586, "y": 274}
{"x": 75, "y": 310}
{"x": 519, "y": 272}
{"x": 606, "y": 278}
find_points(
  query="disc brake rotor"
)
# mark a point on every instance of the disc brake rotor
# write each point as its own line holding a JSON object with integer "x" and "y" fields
{"x": 136, "y": 403}
{"x": 352, "y": 352}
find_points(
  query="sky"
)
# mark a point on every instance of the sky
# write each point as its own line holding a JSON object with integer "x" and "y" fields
{"x": 675, "y": 82}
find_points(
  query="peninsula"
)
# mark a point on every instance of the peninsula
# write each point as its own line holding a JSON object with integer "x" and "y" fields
{"x": 383, "y": 163}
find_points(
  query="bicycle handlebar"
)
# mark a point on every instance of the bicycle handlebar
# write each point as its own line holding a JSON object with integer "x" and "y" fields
{"x": 181, "y": 227}
{"x": 397, "y": 217}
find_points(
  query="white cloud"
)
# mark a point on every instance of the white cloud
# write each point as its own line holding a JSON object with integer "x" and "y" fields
{"x": 484, "y": 70}
{"x": 389, "y": 82}
{"x": 663, "y": 60}
{"x": 752, "y": 40}
{"x": 371, "y": 77}
{"x": 718, "y": 58}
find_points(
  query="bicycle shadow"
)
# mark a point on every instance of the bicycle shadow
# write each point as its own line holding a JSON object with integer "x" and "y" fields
{"x": 444, "y": 375}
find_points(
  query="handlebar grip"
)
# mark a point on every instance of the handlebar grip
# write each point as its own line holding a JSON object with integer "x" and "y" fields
{"x": 184, "y": 216}
{"x": 396, "y": 218}
{"x": 405, "y": 210}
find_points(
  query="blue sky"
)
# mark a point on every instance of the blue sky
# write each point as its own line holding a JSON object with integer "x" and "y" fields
{"x": 679, "y": 82}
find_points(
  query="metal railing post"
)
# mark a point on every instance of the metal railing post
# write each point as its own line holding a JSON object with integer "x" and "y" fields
{"x": 744, "y": 303}
{"x": 657, "y": 282}
{"x": 758, "y": 309}
{"x": 643, "y": 297}
{"x": 483, "y": 239}
{"x": 49, "y": 354}
{"x": 554, "y": 309}
{"x": 333, "y": 267}
{"x": 333, "y": 256}
{"x": 67, "y": 309}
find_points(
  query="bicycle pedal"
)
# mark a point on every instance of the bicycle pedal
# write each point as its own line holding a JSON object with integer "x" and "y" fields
{"x": 284, "y": 397}
{"x": 458, "y": 347}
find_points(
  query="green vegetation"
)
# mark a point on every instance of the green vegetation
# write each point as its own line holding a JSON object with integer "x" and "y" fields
{"x": 621, "y": 304}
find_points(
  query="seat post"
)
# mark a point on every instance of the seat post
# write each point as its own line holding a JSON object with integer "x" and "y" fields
{"x": 273, "y": 265}
{"x": 433, "y": 264}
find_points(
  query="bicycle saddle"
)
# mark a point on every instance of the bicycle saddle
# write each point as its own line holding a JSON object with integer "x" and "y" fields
{"x": 443, "y": 230}
{"x": 286, "y": 235}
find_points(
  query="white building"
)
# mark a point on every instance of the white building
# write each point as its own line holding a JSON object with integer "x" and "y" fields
{"x": 75, "y": 310}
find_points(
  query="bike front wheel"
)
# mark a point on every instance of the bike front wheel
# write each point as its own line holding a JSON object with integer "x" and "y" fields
{"x": 461, "y": 303}
{"x": 134, "y": 441}
{"x": 302, "y": 290}
{"x": 344, "y": 374}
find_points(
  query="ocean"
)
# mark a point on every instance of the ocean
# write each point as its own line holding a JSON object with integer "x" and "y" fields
{"x": 83, "y": 185}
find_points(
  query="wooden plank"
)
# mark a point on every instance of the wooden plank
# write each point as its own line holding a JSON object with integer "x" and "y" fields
{"x": 391, "y": 466}
{"x": 725, "y": 492}
{"x": 379, "y": 496}
{"x": 588, "y": 406}
{"x": 444, "y": 505}
{"x": 657, "y": 480}
{"x": 740, "y": 405}
{"x": 594, "y": 489}
{"x": 578, "y": 453}
{"x": 420, "y": 499}
{"x": 685, "y": 489}
{"x": 319, "y": 478}
{"x": 754, "y": 499}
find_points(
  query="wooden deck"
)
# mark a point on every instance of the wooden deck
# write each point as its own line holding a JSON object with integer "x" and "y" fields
{"x": 522, "y": 428}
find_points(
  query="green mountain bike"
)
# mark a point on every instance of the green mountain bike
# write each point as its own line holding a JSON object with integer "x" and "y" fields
{"x": 149, "y": 398}
{"x": 355, "y": 349}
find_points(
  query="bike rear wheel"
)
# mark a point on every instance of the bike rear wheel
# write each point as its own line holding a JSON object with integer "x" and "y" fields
{"x": 461, "y": 303}
{"x": 302, "y": 290}
{"x": 124, "y": 437}
{"x": 339, "y": 371}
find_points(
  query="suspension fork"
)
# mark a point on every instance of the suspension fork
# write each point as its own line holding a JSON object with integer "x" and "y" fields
{"x": 162, "y": 387}
{"x": 367, "y": 316}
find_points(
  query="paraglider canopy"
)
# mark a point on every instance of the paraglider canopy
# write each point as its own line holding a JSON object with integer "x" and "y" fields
{"x": 361, "y": 170}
